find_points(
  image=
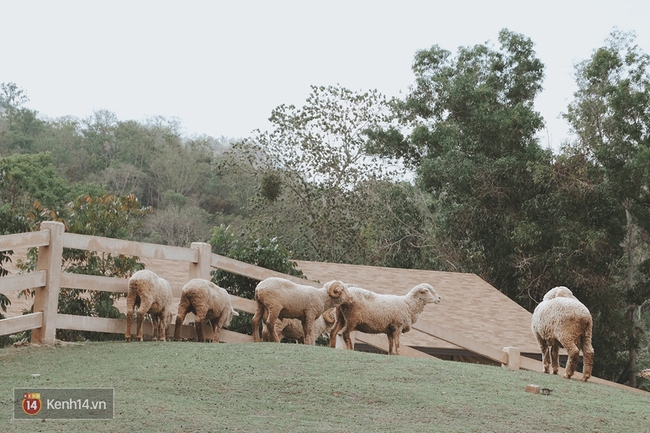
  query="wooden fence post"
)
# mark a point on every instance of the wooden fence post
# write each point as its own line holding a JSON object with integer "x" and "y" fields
{"x": 514, "y": 358}
{"x": 46, "y": 299}
{"x": 201, "y": 269}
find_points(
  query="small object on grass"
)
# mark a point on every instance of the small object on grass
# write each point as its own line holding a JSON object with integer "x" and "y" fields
{"x": 533, "y": 389}
{"x": 36, "y": 376}
{"x": 546, "y": 391}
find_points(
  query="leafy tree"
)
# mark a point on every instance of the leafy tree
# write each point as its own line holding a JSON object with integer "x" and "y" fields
{"x": 19, "y": 126}
{"x": 611, "y": 119}
{"x": 308, "y": 168}
{"x": 179, "y": 225}
{"x": 472, "y": 142}
{"x": 104, "y": 215}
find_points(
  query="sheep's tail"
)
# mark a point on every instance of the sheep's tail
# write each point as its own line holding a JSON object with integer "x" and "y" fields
{"x": 260, "y": 313}
{"x": 587, "y": 351}
{"x": 133, "y": 296}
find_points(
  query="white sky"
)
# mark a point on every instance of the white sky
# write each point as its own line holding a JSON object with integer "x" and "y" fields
{"x": 220, "y": 67}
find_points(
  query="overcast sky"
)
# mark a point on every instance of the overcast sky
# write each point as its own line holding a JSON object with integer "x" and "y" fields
{"x": 221, "y": 67}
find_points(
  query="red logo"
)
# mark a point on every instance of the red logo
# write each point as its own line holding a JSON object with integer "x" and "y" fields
{"x": 32, "y": 403}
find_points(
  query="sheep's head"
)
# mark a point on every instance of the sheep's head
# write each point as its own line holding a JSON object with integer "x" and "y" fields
{"x": 338, "y": 292}
{"x": 427, "y": 293}
{"x": 558, "y": 292}
{"x": 329, "y": 316}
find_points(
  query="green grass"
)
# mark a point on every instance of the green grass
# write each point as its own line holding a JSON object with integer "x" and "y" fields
{"x": 193, "y": 387}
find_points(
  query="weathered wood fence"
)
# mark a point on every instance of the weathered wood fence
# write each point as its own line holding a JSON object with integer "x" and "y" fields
{"x": 49, "y": 278}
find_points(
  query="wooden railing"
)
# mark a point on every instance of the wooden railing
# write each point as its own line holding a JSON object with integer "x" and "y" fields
{"x": 48, "y": 279}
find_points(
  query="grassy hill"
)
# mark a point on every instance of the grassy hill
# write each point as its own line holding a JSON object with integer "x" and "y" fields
{"x": 191, "y": 387}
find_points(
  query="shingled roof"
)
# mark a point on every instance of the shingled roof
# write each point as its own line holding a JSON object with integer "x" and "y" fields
{"x": 470, "y": 308}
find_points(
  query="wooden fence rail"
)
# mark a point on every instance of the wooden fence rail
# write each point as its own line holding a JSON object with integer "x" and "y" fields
{"x": 49, "y": 278}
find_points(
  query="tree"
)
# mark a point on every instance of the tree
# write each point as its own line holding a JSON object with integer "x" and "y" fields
{"x": 309, "y": 167}
{"x": 472, "y": 142}
{"x": 19, "y": 126}
{"x": 611, "y": 120}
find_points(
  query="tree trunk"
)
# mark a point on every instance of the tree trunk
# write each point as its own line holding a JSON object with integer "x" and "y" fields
{"x": 629, "y": 283}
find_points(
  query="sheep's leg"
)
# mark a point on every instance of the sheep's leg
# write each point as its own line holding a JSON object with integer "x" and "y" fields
{"x": 217, "y": 324}
{"x": 155, "y": 327}
{"x": 587, "y": 360}
{"x": 390, "y": 342}
{"x": 308, "y": 331}
{"x": 338, "y": 325}
{"x": 142, "y": 311}
{"x": 139, "y": 320}
{"x": 393, "y": 341}
{"x": 180, "y": 317}
{"x": 555, "y": 357}
{"x": 129, "y": 325}
{"x": 255, "y": 321}
{"x": 130, "y": 306}
{"x": 161, "y": 325}
{"x": 544, "y": 349}
{"x": 270, "y": 325}
{"x": 574, "y": 354}
{"x": 345, "y": 333}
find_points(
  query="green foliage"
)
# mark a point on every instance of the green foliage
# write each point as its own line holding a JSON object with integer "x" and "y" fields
{"x": 31, "y": 182}
{"x": 108, "y": 216}
{"x": 267, "y": 253}
{"x": 179, "y": 225}
{"x": 310, "y": 170}
{"x": 611, "y": 119}
{"x": 473, "y": 145}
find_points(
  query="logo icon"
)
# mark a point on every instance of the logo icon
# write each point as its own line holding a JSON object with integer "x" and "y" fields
{"x": 32, "y": 403}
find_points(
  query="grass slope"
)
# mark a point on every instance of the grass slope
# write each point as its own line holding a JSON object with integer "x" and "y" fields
{"x": 191, "y": 387}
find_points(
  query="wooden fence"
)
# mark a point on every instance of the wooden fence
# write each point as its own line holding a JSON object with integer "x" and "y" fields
{"x": 49, "y": 278}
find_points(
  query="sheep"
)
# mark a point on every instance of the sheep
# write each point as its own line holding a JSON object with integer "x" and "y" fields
{"x": 278, "y": 298}
{"x": 291, "y": 329}
{"x": 208, "y": 302}
{"x": 150, "y": 294}
{"x": 374, "y": 313}
{"x": 561, "y": 320}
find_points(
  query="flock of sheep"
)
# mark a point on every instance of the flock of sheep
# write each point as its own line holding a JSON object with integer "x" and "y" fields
{"x": 289, "y": 310}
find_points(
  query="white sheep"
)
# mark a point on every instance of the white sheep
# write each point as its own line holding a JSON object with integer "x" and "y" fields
{"x": 291, "y": 329}
{"x": 208, "y": 302}
{"x": 374, "y": 313}
{"x": 152, "y": 295}
{"x": 278, "y": 298}
{"x": 561, "y": 320}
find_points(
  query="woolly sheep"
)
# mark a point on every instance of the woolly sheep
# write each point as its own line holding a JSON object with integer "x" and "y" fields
{"x": 561, "y": 320}
{"x": 208, "y": 302}
{"x": 278, "y": 298}
{"x": 150, "y": 294}
{"x": 374, "y": 313}
{"x": 291, "y": 329}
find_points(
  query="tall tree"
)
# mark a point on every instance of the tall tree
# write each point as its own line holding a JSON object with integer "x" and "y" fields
{"x": 309, "y": 167}
{"x": 472, "y": 142}
{"x": 611, "y": 118}
{"x": 19, "y": 126}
